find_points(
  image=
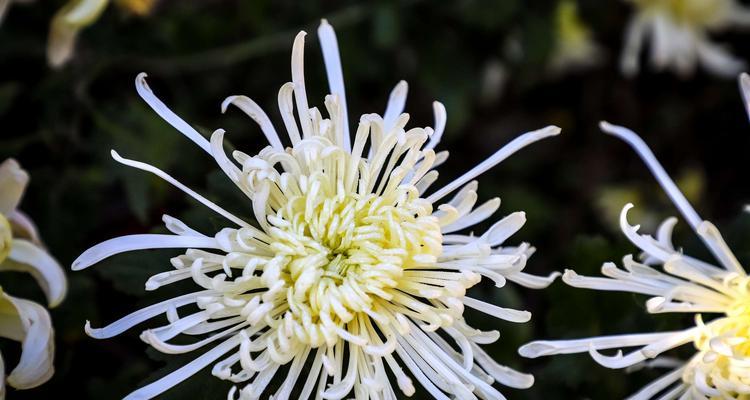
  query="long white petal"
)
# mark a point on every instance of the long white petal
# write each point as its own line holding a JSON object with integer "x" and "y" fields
{"x": 505, "y": 375}
{"x": 550, "y": 347}
{"x": 504, "y": 228}
{"x": 507, "y": 150}
{"x": 123, "y": 244}
{"x": 163, "y": 175}
{"x": 506, "y": 314}
{"x": 330, "y": 47}
{"x": 298, "y": 78}
{"x": 144, "y": 314}
{"x": 395, "y": 106}
{"x": 657, "y": 386}
{"x": 660, "y": 174}
{"x": 156, "y": 388}
{"x": 178, "y": 123}
{"x": 254, "y": 111}
{"x": 532, "y": 281}
{"x": 440, "y": 118}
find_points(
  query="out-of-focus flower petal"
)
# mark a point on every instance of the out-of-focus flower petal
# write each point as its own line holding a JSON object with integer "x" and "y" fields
{"x": 30, "y": 324}
{"x": 69, "y": 20}
{"x": 13, "y": 180}
{"x": 23, "y": 227}
{"x": 27, "y": 257}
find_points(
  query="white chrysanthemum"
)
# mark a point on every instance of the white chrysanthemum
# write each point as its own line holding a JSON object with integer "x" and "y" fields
{"x": 679, "y": 31}
{"x": 720, "y": 368}
{"x": 351, "y": 271}
{"x": 22, "y": 320}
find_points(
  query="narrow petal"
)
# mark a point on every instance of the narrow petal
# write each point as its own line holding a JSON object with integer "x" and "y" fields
{"x": 163, "y": 175}
{"x": 160, "y": 386}
{"x": 395, "y": 106}
{"x": 254, "y": 111}
{"x": 660, "y": 174}
{"x": 144, "y": 314}
{"x": 298, "y": 78}
{"x": 440, "y": 118}
{"x": 506, "y": 314}
{"x": 504, "y": 228}
{"x": 330, "y": 47}
{"x": 168, "y": 115}
{"x": 505, "y": 375}
{"x": 550, "y": 347}
{"x": 141, "y": 242}
{"x": 507, "y": 150}
{"x": 532, "y": 281}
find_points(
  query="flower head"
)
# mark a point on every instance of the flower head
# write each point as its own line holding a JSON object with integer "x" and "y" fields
{"x": 23, "y": 320}
{"x": 683, "y": 284}
{"x": 351, "y": 266}
{"x": 679, "y": 35}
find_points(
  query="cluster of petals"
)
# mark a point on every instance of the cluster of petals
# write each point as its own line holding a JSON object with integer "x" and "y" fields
{"x": 353, "y": 269}
{"x": 22, "y": 320}
{"x": 718, "y": 297}
{"x": 679, "y": 36}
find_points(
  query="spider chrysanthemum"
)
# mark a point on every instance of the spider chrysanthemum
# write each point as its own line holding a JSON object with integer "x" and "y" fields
{"x": 351, "y": 274}
{"x": 717, "y": 296}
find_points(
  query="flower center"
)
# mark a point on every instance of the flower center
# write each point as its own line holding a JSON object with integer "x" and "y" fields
{"x": 343, "y": 254}
{"x": 724, "y": 343}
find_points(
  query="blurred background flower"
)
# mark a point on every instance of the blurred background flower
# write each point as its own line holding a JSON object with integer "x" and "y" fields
{"x": 490, "y": 69}
{"x": 574, "y": 44}
{"x": 679, "y": 31}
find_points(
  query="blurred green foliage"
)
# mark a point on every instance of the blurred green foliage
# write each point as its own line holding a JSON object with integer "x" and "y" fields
{"x": 61, "y": 124}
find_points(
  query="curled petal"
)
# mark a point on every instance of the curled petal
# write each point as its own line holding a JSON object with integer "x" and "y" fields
{"x": 29, "y": 323}
{"x": 28, "y": 257}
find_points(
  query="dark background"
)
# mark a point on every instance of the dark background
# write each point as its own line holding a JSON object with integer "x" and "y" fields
{"x": 61, "y": 124}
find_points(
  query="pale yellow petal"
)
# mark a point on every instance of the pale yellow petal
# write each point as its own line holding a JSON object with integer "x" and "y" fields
{"x": 13, "y": 180}
{"x": 37, "y": 354}
{"x": 69, "y": 20}
{"x": 23, "y": 227}
{"x": 28, "y": 257}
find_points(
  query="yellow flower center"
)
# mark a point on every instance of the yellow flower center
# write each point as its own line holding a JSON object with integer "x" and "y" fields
{"x": 698, "y": 13}
{"x": 6, "y": 237}
{"x": 724, "y": 344}
{"x": 343, "y": 254}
